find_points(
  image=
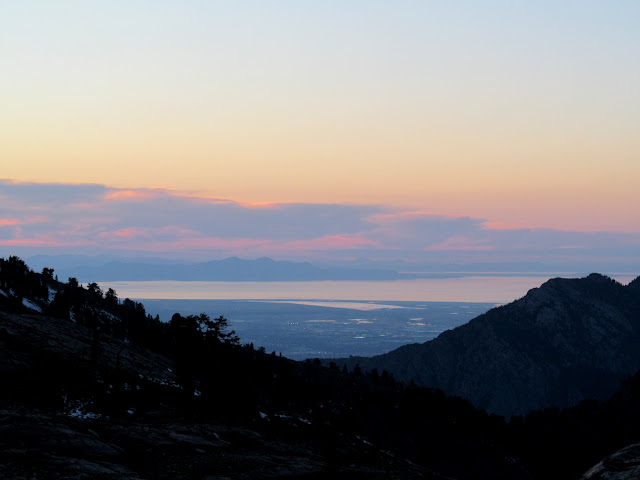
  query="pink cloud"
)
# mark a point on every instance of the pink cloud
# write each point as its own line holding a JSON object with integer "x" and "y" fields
{"x": 39, "y": 242}
{"x": 9, "y": 221}
{"x": 131, "y": 194}
{"x": 458, "y": 243}
{"x": 202, "y": 198}
{"x": 25, "y": 242}
{"x": 262, "y": 205}
{"x": 165, "y": 220}
{"x": 81, "y": 206}
{"x": 5, "y": 222}
{"x": 95, "y": 220}
{"x": 129, "y": 232}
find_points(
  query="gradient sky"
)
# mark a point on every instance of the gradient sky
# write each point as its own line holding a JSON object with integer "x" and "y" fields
{"x": 517, "y": 115}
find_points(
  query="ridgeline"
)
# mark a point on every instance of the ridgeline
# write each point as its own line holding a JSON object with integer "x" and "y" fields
{"x": 564, "y": 342}
{"x": 93, "y": 387}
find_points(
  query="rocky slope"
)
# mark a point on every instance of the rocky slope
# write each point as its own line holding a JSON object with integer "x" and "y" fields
{"x": 63, "y": 391}
{"x": 621, "y": 465}
{"x": 93, "y": 387}
{"x": 566, "y": 341}
{"x": 35, "y": 444}
{"x": 78, "y": 402}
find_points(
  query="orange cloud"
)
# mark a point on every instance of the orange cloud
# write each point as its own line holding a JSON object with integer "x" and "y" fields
{"x": 203, "y": 198}
{"x": 262, "y": 205}
{"x": 131, "y": 194}
{"x": 9, "y": 221}
{"x": 5, "y": 222}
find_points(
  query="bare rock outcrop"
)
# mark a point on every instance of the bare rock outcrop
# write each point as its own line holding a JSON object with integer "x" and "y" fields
{"x": 621, "y": 465}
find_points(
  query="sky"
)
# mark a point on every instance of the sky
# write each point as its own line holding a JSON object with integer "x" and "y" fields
{"x": 321, "y": 129}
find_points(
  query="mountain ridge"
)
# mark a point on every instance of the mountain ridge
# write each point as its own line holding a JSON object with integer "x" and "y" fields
{"x": 94, "y": 387}
{"x": 564, "y": 341}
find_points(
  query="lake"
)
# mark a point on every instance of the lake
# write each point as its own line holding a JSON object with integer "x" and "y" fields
{"x": 334, "y": 318}
{"x": 486, "y": 288}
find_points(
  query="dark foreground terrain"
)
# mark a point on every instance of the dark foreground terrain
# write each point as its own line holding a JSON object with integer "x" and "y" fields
{"x": 93, "y": 387}
{"x": 53, "y": 446}
{"x": 67, "y": 412}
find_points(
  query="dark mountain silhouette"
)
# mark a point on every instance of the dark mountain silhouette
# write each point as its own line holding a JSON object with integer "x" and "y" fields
{"x": 566, "y": 341}
{"x": 634, "y": 284}
{"x": 93, "y": 387}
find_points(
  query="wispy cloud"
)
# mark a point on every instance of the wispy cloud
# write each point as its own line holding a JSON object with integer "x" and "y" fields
{"x": 9, "y": 221}
{"x": 132, "y": 195}
{"x": 65, "y": 217}
{"x": 457, "y": 243}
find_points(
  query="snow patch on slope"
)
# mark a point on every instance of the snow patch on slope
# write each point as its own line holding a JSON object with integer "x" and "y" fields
{"x": 29, "y": 304}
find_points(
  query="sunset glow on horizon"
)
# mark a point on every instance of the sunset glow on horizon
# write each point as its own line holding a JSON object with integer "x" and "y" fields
{"x": 515, "y": 117}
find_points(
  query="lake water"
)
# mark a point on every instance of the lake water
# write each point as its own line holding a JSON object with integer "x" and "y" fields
{"x": 334, "y": 319}
{"x": 496, "y": 289}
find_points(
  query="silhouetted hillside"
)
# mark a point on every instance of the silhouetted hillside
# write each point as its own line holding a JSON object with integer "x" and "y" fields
{"x": 568, "y": 340}
{"x": 93, "y": 387}
{"x": 183, "y": 399}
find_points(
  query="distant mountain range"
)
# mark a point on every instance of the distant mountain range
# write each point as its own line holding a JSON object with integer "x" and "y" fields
{"x": 228, "y": 270}
{"x": 232, "y": 269}
{"x": 113, "y": 268}
{"x": 568, "y": 340}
